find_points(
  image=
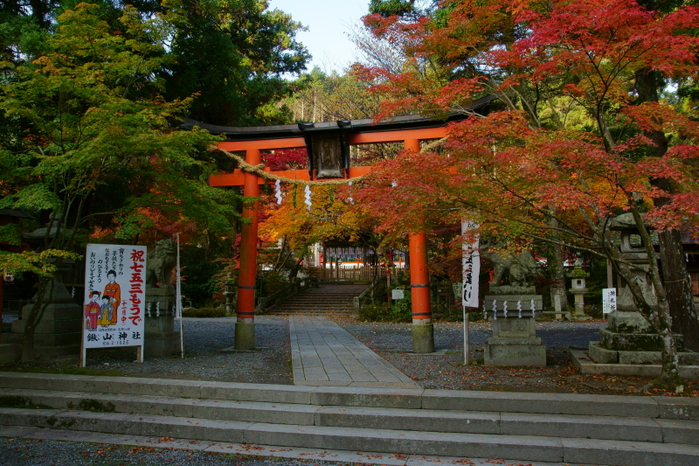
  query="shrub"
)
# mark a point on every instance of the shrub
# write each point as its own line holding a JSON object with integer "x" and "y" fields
{"x": 385, "y": 312}
{"x": 204, "y": 312}
{"x": 377, "y": 312}
{"x": 401, "y": 311}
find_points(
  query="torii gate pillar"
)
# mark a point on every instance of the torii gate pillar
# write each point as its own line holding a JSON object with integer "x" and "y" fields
{"x": 245, "y": 312}
{"x": 422, "y": 329}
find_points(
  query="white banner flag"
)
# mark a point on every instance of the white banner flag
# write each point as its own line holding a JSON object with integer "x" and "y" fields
{"x": 471, "y": 268}
{"x": 115, "y": 285}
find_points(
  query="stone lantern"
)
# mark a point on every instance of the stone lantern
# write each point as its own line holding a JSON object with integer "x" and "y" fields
{"x": 578, "y": 287}
{"x": 629, "y": 337}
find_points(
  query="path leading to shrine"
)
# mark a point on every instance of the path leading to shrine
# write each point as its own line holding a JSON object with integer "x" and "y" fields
{"x": 324, "y": 354}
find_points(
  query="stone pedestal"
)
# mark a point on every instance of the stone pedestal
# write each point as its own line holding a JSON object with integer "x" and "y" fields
{"x": 60, "y": 330}
{"x": 423, "y": 337}
{"x": 161, "y": 338}
{"x": 627, "y": 340}
{"x": 10, "y": 353}
{"x": 514, "y": 341}
{"x": 244, "y": 335}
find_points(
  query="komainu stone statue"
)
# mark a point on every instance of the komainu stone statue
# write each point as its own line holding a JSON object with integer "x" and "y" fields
{"x": 161, "y": 339}
{"x": 161, "y": 263}
{"x": 512, "y": 304}
{"x": 513, "y": 273}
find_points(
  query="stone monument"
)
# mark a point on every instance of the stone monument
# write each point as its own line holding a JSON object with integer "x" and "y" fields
{"x": 60, "y": 330}
{"x": 512, "y": 305}
{"x": 161, "y": 339}
{"x": 629, "y": 337}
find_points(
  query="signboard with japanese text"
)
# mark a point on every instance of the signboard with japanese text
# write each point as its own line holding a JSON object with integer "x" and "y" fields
{"x": 471, "y": 268}
{"x": 113, "y": 310}
{"x": 608, "y": 300}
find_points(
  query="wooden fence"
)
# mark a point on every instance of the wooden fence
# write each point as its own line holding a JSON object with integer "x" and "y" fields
{"x": 340, "y": 274}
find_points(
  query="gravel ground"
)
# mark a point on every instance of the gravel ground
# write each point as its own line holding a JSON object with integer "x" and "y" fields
{"x": 27, "y": 452}
{"x": 446, "y": 369}
{"x": 208, "y": 355}
{"x": 206, "y": 358}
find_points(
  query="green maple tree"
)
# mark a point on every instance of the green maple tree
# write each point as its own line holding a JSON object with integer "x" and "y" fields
{"x": 98, "y": 147}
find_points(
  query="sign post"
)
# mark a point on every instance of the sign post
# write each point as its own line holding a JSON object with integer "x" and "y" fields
{"x": 114, "y": 304}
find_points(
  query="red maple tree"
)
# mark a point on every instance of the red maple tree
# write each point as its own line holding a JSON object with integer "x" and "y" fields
{"x": 582, "y": 132}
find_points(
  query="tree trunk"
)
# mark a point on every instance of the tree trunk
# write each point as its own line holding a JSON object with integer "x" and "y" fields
{"x": 558, "y": 280}
{"x": 41, "y": 301}
{"x": 295, "y": 267}
{"x": 670, "y": 374}
{"x": 679, "y": 288}
{"x": 659, "y": 314}
{"x": 674, "y": 266}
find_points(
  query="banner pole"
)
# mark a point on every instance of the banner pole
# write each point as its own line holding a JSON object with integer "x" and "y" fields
{"x": 83, "y": 350}
{"x": 178, "y": 298}
{"x": 466, "y": 342}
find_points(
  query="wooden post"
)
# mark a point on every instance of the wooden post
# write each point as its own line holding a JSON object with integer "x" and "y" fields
{"x": 422, "y": 329}
{"x": 245, "y": 325}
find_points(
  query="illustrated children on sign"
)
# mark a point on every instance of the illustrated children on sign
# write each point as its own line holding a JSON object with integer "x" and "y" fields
{"x": 113, "y": 291}
{"x": 92, "y": 310}
{"x": 106, "y": 311}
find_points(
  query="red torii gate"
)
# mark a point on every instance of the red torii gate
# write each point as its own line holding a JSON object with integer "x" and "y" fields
{"x": 253, "y": 141}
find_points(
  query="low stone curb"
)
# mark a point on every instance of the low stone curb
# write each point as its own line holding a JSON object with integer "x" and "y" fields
{"x": 582, "y": 361}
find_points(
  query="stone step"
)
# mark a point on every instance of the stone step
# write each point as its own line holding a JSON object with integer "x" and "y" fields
{"x": 329, "y": 307}
{"x": 299, "y": 303}
{"x": 526, "y": 448}
{"x": 320, "y": 301}
{"x": 308, "y": 297}
{"x": 299, "y": 308}
{"x": 313, "y": 300}
{"x": 544, "y": 425}
{"x": 652, "y": 407}
{"x": 306, "y": 312}
{"x": 624, "y": 431}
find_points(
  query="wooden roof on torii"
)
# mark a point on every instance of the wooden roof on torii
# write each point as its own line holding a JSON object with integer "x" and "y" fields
{"x": 351, "y": 132}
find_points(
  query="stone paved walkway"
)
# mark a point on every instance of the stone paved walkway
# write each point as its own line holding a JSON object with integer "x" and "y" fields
{"x": 324, "y": 354}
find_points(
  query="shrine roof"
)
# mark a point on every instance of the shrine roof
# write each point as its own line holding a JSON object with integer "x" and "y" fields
{"x": 405, "y": 122}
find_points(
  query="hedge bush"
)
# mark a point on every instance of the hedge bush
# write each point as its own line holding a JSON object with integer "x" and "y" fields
{"x": 204, "y": 312}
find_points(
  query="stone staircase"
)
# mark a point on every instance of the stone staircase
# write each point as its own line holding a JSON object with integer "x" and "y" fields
{"x": 576, "y": 429}
{"x": 325, "y": 300}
